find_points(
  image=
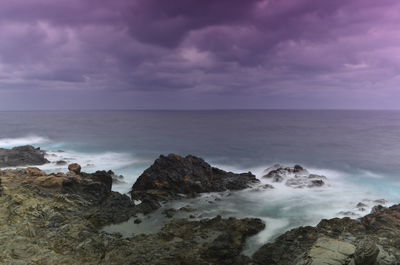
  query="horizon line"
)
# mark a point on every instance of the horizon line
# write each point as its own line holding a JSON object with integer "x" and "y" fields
{"x": 205, "y": 109}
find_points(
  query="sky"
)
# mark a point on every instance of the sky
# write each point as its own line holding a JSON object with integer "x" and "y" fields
{"x": 199, "y": 54}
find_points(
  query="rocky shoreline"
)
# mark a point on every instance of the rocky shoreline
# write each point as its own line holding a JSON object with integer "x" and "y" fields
{"x": 57, "y": 219}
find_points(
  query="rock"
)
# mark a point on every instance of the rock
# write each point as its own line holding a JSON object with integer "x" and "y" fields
{"x": 61, "y": 162}
{"x": 295, "y": 177}
{"x": 347, "y": 213}
{"x": 381, "y": 201}
{"x": 116, "y": 179}
{"x": 137, "y": 221}
{"x": 377, "y": 208}
{"x": 267, "y": 186}
{"x": 75, "y": 168}
{"x": 172, "y": 176}
{"x": 22, "y": 156}
{"x": 330, "y": 252}
{"x": 366, "y": 252}
{"x": 115, "y": 208}
{"x": 94, "y": 187}
{"x": 375, "y": 237}
{"x": 287, "y": 248}
{"x": 361, "y": 205}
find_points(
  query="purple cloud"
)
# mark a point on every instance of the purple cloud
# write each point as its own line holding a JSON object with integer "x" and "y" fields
{"x": 269, "y": 53}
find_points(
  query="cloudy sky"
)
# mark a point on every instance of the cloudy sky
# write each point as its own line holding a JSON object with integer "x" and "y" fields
{"x": 185, "y": 54}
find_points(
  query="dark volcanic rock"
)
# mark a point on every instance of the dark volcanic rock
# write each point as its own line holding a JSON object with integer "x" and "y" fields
{"x": 173, "y": 175}
{"x": 22, "y": 156}
{"x": 94, "y": 187}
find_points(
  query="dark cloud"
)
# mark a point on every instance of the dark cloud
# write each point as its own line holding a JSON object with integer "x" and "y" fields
{"x": 200, "y": 49}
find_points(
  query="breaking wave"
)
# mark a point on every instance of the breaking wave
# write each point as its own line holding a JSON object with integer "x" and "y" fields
{"x": 27, "y": 140}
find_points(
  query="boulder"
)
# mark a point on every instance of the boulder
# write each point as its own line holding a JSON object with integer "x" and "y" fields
{"x": 22, "y": 156}
{"x": 75, "y": 168}
{"x": 172, "y": 176}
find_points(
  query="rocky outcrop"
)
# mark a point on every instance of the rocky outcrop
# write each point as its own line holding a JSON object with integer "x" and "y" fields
{"x": 372, "y": 239}
{"x": 22, "y": 156}
{"x": 172, "y": 176}
{"x": 94, "y": 189}
{"x": 50, "y": 225}
{"x": 295, "y": 177}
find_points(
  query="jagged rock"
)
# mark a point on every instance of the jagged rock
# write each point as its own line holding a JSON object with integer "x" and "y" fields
{"x": 94, "y": 187}
{"x": 75, "y": 168}
{"x": 171, "y": 176}
{"x": 295, "y": 177}
{"x": 22, "y": 156}
{"x": 366, "y": 252}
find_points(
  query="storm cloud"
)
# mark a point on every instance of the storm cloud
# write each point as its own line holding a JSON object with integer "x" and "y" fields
{"x": 199, "y": 54}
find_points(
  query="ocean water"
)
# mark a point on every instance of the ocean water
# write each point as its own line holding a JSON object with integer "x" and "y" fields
{"x": 358, "y": 151}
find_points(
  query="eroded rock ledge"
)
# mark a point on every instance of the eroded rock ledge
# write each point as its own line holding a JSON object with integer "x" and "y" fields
{"x": 373, "y": 239}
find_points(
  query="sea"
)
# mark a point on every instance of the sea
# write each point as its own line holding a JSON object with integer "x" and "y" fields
{"x": 358, "y": 151}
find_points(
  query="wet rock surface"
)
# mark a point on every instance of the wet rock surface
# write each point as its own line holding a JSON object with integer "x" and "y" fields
{"x": 59, "y": 223}
{"x": 22, "y": 156}
{"x": 372, "y": 239}
{"x": 57, "y": 219}
{"x": 172, "y": 177}
{"x": 295, "y": 177}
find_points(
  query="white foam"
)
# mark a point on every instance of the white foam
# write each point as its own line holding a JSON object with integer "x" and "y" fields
{"x": 89, "y": 162}
{"x": 27, "y": 140}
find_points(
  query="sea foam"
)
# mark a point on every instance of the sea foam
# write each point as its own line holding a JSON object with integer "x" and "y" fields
{"x": 26, "y": 140}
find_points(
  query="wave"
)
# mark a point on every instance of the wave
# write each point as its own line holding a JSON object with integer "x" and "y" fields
{"x": 26, "y": 140}
{"x": 88, "y": 161}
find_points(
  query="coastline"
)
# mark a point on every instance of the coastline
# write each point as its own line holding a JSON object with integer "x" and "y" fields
{"x": 58, "y": 216}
